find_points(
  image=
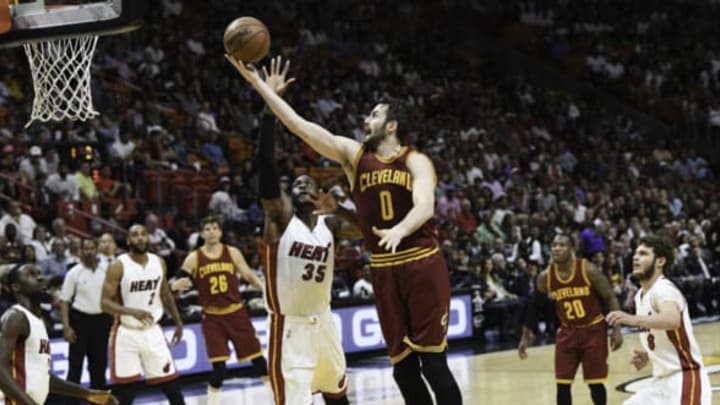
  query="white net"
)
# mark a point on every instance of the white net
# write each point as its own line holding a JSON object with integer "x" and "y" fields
{"x": 61, "y": 78}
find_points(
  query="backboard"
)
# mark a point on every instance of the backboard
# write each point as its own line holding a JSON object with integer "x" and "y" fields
{"x": 39, "y": 20}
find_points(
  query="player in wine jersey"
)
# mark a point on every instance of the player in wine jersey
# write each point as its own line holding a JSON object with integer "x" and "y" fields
{"x": 393, "y": 188}
{"x": 666, "y": 333}
{"x": 135, "y": 291}
{"x": 215, "y": 268}
{"x": 25, "y": 376}
{"x": 305, "y": 351}
{"x": 579, "y": 290}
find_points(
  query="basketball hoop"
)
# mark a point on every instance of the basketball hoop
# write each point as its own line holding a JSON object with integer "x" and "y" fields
{"x": 61, "y": 78}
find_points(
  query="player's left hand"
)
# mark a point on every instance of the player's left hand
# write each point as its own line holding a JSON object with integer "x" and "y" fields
{"x": 325, "y": 203}
{"x": 620, "y": 318}
{"x": 101, "y": 397}
{"x": 247, "y": 71}
{"x": 616, "y": 339}
{"x": 389, "y": 238}
{"x": 177, "y": 336}
{"x": 276, "y": 78}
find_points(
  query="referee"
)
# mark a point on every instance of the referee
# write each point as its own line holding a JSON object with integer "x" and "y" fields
{"x": 85, "y": 326}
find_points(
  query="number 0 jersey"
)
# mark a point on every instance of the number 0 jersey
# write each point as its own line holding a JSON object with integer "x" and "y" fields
{"x": 217, "y": 282}
{"x": 382, "y": 192}
{"x": 299, "y": 269}
{"x": 576, "y": 303}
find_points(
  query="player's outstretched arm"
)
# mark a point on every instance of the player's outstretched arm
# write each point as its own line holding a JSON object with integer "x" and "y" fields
{"x": 602, "y": 286}
{"x": 337, "y": 148}
{"x": 13, "y": 327}
{"x": 69, "y": 389}
{"x": 183, "y": 281}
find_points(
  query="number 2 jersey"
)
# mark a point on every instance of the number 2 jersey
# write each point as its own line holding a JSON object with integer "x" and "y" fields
{"x": 382, "y": 192}
{"x": 576, "y": 303}
{"x": 670, "y": 350}
{"x": 299, "y": 269}
{"x": 217, "y": 282}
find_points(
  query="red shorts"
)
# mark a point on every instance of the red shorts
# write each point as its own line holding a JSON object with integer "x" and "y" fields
{"x": 413, "y": 305}
{"x": 588, "y": 346}
{"x": 235, "y": 327}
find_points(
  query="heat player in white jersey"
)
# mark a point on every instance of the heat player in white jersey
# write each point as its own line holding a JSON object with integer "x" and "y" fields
{"x": 305, "y": 353}
{"x": 135, "y": 291}
{"x": 667, "y": 338}
{"x": 25, "y": 348}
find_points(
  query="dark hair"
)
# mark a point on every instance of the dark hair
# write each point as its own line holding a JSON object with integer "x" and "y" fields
{"x": 210, "y": 219}
{"x": 661, "y": 248}
{"x": 565, "y": 235}
{"x": 396, "y": 111}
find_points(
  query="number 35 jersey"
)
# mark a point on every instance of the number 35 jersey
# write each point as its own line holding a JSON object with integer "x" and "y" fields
{"x": 382, "y": 191}
{"x": 670, "y": 350}
{"x": 299, "y": 269}
{"x": 576, "y": 303}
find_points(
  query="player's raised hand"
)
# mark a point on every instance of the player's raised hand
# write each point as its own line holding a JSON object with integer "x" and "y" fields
{"x": 101, "y": 397}
{"x": 277, "y": 78}
{"x": 325, "y": 203}
{"x": 389, "y": 238}
{"x": 247, "y": 71}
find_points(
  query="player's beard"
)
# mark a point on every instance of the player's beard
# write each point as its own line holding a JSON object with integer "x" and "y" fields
{"x": 371, "y": 142}
{"x": 646, "y": 273}
{"x": 139, "y": 248}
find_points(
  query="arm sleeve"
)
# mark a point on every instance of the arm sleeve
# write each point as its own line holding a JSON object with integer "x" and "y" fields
{"x": 67, "y": 291}
{"x": 269, "y": 187}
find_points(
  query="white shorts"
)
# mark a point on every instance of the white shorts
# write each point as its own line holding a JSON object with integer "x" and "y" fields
{"x": 134, "y": 352}
{"x": 305, "y": 357}
{"x": 669, "y": 390}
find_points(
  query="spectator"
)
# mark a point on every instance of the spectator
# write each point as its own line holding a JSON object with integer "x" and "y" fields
{"x": 24, "y": 223}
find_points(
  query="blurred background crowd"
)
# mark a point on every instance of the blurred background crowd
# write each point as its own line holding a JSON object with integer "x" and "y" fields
{"x": 598, "y": 118}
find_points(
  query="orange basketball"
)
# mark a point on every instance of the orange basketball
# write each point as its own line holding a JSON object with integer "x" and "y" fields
{"x": 247, "y": 39}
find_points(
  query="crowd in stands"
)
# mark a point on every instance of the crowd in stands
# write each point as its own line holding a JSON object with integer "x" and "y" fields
{"x": 517, "y": 160}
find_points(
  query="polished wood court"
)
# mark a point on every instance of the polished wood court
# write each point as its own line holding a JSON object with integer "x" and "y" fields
{"x": 491, "y": 378}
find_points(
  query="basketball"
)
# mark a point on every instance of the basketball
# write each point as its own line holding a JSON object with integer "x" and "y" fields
{"x": 247, "y": 39}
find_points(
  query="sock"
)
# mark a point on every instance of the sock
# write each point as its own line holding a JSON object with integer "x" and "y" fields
{"x": 213, "y": 395}
{"x": 598, "y": 394}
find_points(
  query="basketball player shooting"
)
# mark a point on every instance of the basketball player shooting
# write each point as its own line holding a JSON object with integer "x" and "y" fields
{"x": 25, "y": 376}
{"x": 393, "y": 188}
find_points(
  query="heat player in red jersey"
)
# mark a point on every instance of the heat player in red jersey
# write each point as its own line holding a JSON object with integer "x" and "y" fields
{"x": 215, "y": 268}
{"x": 579, "y": 290}
{"x": 394, "y": 190}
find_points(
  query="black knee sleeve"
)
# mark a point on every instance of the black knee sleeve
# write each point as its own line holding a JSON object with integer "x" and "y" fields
{"x": 260, "y": 366}
{"x": 172, "y": 392}
{"x": 564, "y": 396}
{"x": 438, "y": 375}
{"x": 407, "y": 374}
{"x": 598, "y": 394}
{"x": 217, "y": 375}
{"x": 125, "y": 393}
